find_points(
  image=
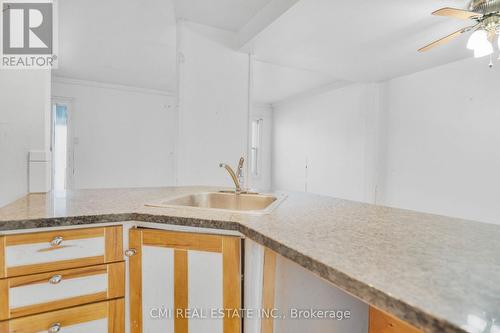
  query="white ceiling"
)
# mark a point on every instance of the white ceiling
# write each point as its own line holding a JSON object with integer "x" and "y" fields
{"x": 224, "y": 14}
{"x": 359, "y": 40}
{"x": 315, "y": 42}
{"x": 115, "y": 41}
{"x": 274, "y": 83}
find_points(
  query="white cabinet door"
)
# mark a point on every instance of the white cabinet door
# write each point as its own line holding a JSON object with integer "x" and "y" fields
{"x": 184, "y": 282}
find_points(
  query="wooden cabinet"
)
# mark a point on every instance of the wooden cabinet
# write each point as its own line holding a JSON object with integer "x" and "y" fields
{"x": 69, "y": 280}
{"x": 30, "y": 294}
{"x": 38, "y": 252}
{"x": 381, "y": 322}
{"x": 101, "y": 317}
{"x": 172, "y": 272}
{"x": 74, "y": 281}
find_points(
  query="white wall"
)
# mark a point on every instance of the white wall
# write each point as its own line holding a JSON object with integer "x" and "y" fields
{"x": 442, "y": 141}
{"x": 213, "y": 104}
{"x": 428, "y": 141}
{"x": 125, "y": 135}
{"x": 24, "y": 126}
{"x": 324, "y": 143}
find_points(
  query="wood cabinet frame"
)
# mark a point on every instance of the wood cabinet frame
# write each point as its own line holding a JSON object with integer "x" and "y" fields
{"x": 112, "y": 238}
{"x": 112, "y": 310}
{"x": 268, "y": 289}
{"x": 382, "y": 322}
{"x": 182, "y": 242}
{"x": 116, "y": 288}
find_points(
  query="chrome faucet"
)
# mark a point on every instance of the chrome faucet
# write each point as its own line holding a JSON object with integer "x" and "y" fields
{"x": 239, "y": 172}
{"x": 235, "y": 176}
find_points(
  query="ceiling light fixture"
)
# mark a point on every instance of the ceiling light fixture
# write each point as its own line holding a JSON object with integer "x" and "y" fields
{"x": 483, "y": 50}
{"x": 486, "y": 27}
{"x": 479, "y": 42}
{"x": 475, "y": 39}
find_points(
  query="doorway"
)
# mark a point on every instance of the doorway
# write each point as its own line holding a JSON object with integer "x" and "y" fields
{"x": 62, "y": 148}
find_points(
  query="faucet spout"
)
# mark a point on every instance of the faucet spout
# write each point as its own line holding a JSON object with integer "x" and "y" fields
{"x": 233, "y": 176}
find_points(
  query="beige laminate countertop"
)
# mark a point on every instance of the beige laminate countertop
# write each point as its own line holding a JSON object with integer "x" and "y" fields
{"x": 438, "y": 273}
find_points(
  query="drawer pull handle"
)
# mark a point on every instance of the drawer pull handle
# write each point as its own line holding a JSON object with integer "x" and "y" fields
{"x": 54, "y": 328}
{"x": 55, "y": 279}
{"x": 56, "y": 241}
{"x": 130, "y": 252}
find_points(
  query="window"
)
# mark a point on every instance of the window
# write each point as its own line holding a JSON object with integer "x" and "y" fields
{"x": 256, "y": 132}
{"x": 60, "y": 146}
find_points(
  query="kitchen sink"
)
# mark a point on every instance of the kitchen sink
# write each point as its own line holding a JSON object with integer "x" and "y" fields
{"x": 244, "y": 203}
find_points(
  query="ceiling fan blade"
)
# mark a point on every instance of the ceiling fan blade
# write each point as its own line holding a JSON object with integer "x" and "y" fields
{"x": 456, "y": 13}
{"x": 446, "y": 39}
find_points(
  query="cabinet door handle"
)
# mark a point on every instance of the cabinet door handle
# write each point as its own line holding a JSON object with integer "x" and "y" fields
{"x": 56, "y": 241}
{"x": 55, "y": 279}
{"x": 54, "y": 328}
{"x": 130, "y": 252}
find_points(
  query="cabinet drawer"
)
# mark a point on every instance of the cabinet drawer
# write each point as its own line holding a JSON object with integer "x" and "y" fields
{"x": 32, "y": 253}
{"x": 31, "y": 294}
{"x": 99, "y": 317}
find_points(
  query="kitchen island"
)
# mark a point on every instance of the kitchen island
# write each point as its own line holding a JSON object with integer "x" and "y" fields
{"x": 437, "y": 273}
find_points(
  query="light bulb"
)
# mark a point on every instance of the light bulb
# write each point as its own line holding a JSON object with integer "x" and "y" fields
{"x": 479, "y": 42}
{"x": 482, "y": 49}
{"x": 476, "y": 38}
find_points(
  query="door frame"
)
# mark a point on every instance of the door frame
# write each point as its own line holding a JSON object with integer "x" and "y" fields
{"x": 70, "y": 149}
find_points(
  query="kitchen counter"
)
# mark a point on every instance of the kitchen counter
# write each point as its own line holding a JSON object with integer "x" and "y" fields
{"x": 437, "y": 273}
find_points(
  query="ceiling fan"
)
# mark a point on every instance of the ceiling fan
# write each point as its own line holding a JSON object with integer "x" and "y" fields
{"x": 485, "y": 15}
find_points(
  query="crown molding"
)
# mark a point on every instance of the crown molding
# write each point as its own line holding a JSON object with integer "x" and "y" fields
{"x": 96, "y": 84}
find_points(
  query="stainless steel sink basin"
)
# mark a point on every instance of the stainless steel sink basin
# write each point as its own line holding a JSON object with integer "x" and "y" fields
{"x": 243, "y": 203}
